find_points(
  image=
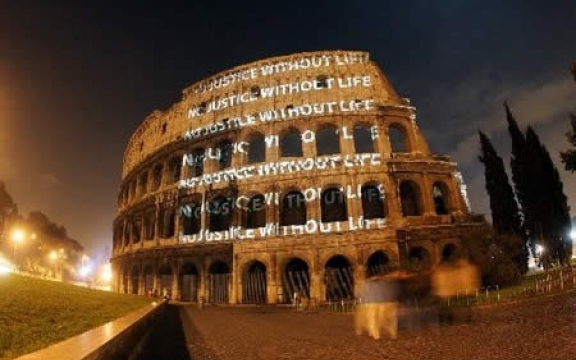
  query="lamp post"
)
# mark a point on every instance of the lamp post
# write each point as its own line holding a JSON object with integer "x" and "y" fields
{"x": 17, "y": 238}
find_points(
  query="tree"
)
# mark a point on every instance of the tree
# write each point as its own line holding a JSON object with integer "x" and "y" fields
{"x": 7, "y": 206}
{"x": 506, "y": 219}
{"x": 569, "y": 156}
{"x": 551, "y": 214}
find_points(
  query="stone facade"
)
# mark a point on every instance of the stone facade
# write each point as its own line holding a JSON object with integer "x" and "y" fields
{"x": 309, "y": 138}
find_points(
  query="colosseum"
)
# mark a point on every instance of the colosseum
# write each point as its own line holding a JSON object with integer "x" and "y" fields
{"x": 305, "y": 172}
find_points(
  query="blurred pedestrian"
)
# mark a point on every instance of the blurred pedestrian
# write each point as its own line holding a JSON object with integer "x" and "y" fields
{"x": 379, "y": 307}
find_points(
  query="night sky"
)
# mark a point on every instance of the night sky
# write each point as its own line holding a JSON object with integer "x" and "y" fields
{"x": 76, "y": 80}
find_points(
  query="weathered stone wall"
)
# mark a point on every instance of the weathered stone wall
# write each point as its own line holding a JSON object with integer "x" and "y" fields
{"x": 147, "y": 226}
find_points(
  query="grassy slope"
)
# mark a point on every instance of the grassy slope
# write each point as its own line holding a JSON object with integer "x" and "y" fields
{"x": 36, "y": 313}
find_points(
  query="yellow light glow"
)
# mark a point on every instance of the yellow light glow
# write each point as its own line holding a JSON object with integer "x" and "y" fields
{"x": 18, "y": 236}
{"x": 53, "y": 255}
{"x": 106, "y": 273}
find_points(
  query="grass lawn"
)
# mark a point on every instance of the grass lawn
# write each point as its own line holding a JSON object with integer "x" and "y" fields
{"x": 35, "y": 313}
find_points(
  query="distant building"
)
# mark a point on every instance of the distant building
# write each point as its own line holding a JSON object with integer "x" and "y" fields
{"x": 301, "y": 173}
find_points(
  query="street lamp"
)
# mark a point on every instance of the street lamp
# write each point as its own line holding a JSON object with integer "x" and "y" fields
{"x": 18, "y": 238}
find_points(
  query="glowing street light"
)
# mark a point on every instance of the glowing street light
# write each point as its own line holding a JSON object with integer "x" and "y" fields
{"x": 17, "y": 236}
{"x": 53, "y": 256}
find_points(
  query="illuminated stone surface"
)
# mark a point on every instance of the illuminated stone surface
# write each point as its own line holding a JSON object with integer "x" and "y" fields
{"x": 357, "y": 136}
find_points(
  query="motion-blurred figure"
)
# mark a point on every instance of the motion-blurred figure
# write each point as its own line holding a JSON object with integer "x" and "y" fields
{"x": 450, "y": 280}
{"x": 379, "y": 308}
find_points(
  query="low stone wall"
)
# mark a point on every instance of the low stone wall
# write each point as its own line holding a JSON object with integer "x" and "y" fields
{"x": 118, "y": 339}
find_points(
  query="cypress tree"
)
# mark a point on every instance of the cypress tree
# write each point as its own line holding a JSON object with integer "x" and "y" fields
{"x": 523, "y": 179}
{"x": 506, "y": 218}
{"x": 569, "y": 156}
{"x": 551, "y": 221}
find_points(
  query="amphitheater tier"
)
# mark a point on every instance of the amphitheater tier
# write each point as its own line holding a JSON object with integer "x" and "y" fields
{"x": 303, "y": 173}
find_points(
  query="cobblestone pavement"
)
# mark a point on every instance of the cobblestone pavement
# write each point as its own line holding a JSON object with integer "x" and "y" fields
{"x": 543, "y": 329}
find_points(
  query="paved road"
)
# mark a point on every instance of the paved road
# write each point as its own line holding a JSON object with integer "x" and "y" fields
{"x": 540, "y": 329}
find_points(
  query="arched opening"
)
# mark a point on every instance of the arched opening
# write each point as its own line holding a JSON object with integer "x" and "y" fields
{"x": 327, "y": 141}
{"x": 333, "y": 205}
{"x": 220, "y": 213}
{"x": 127, "y": 235}
{"x": 167, "y": 223}
{"x": 136, "y": 227}
{"x": 148, "y": 280}
{"x": 224, "y": 154}
{"x": 133, "y": 190}
{"x": 143, "y": 184}
{"x": 189, "y": 282}
{"x": 254, "y": 283}
{"x": 450, "y": 253}
{"x": 175, "y": 169}
{"x": 291, "y": 143}
{"x": 135, "y": 281}
{"x": 378, "y": 264}
{"x": 125, "y": 280}
{"x": 441, "y": 196}
{"x": 410, "y": 198}
{"x": 256, "y": 148}
{"x": 191, "y": 218}
{"x": 363, "y": 141}
{"x": 373, "y": 205}
{"x": 149, "y": 223}
{"x": 197, "y": 166}
{"x": 419, "y": 259}
{"x": 293, "y": 211}
{"x": 296, "y": 278}
{"x": 166, "y": 279}
{"x": 255, "y": 212}
{"x": 339, "y": 279}
{"x": 398, "y": 139}
{"x": 157, "y": 176}
{"x": 218, "y": 280}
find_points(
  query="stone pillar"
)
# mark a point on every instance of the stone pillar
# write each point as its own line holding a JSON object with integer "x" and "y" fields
{"x": 234, "y": 281}
{"x": 175, "y": 291}
{"x": 271, "y": 285}
{"x": 426, "y": 191}
{"x": 157, "y": 222}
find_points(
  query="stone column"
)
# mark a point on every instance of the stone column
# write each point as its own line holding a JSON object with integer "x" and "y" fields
{"x": 234, "y": 281}
{"x": 271, "y": 285}
{"x": 426, "y": 192}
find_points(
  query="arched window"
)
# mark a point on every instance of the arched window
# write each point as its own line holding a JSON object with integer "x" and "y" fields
{"x": 167, "y": 223}
{"x": 450, "y": 253}
{"x": 373, "y": 206}
{"x": 157, "y": 176}
{"x": 220, "y": 213}
{"x": 175, "y": 169}
{"x": 256, "y": 148}
{"x": 363, "y": 142}
{"x": 293, "y": 210}
{"x": 419, "y": 259}
{"x": 291, "y": 143}
{"x": 327, "y": 141}
{"x": 191, "y": 218}
{"x": 398, "y": 139}
{"x": 136, "y": 227}
{"x": 149, "y": 223}
{"x": 441, "y": 197}
{"x": 143, "y": 183}
{"x": 333, "y": 205}
{"x": 133, "y": 190}
{"x": 255, "y": 212}
{"x": 224, "y": 154}
{"x": 126, "y": 230}
{"x": 410, "y": 198}
{"x": 198, "y": 157}
{"x": 378, "y": 264}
